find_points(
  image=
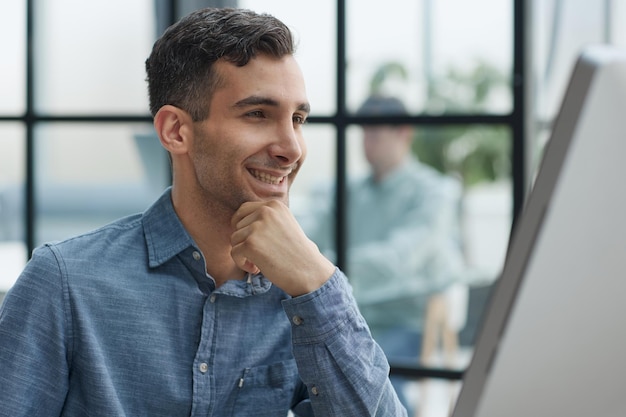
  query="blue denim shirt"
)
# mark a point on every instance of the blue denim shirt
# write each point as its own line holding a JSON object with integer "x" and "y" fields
{"x": 124, "y": 321}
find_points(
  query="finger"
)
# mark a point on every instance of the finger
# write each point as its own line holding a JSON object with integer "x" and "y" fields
{"x": 241, "y": 261}
{"x": 243, "y": 213}
{"x": 250, "y": 267}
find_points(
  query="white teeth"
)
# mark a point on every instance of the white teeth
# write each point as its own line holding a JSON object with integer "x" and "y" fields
{"x": 267, "y": 178}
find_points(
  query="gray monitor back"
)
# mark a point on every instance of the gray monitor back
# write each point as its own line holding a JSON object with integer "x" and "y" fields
{"x": 553, "y": 338}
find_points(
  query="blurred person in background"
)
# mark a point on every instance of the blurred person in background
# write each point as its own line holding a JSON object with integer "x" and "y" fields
{"x": 404, "y": 236}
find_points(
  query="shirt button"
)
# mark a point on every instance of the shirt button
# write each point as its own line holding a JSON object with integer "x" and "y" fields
{"x": 196, "y": 255}
{"x": 204, "y": 367}
{"x": 297, "y": 320}
{"x": 212, "y": 298}
{"x": 314, "y": 391}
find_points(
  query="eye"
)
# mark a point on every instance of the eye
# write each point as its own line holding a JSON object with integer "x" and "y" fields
{"x": 255, "y": 113}
{"x": 299, "y": 119}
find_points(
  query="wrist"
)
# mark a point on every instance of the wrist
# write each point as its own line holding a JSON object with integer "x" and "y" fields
{"x": 314, "y": 278}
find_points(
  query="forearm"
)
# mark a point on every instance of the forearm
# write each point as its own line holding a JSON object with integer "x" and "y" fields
{"x": 345, "y": 371}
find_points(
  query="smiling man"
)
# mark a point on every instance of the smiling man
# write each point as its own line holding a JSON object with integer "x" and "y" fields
{"x": 212, "y": 302}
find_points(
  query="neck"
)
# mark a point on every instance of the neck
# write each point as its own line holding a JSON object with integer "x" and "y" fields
{"x": 210, "y": 229}
{"x": 382, "y": 172}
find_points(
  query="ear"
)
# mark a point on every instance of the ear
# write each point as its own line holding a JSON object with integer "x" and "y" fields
{"x": 174, "y": 127}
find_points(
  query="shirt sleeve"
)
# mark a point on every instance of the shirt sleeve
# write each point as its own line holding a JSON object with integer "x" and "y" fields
{"x": 345, "y": 371}
{"x": 33, "y": 354}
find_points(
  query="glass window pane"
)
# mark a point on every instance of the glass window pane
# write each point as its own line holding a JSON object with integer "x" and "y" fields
{"x": 617, "y": 16}
{"x": 90, "y": 174}
{"x": 13, "y": 53}
{"x": 13, "y": 253}
{"x": 315, "y": 27}
{"x": 89, "y": 56}
{"x": 313, "y": 190}
{"x": 559, "y": 31}
{"x": 445, "y": 56}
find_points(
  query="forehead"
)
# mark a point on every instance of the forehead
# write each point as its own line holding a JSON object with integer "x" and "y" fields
{"x": 379, "y": 129}
{"x": 278, "y": 79}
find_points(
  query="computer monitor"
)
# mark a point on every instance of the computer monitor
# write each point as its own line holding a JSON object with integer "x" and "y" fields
{"x": 553, "y": 339}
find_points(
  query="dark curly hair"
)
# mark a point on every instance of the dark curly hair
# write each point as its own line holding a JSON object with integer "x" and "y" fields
{"x": 180, "y": 66}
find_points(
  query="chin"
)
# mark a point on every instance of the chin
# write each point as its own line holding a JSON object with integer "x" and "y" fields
{"x": 283, "y": 197}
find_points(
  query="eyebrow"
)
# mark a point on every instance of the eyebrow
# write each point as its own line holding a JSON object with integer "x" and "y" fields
{"x": 260, "y": 100}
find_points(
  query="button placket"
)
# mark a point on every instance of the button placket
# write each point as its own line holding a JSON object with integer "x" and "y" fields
{"x": 203, "y": 368}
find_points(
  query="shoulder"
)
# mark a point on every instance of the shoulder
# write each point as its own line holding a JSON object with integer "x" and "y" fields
{"x": 111, "y": 237}
{"x": 104, "y": 247}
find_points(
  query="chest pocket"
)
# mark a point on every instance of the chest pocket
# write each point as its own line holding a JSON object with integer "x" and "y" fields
{"x": 266, "y": 391}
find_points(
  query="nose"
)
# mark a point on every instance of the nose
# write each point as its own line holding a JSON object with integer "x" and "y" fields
{"x": 288, "y": 147}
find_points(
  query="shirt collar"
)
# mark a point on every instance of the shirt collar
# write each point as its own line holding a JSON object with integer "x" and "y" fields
{"x": 166, "y": 237}
{"x": 164, "y": 233}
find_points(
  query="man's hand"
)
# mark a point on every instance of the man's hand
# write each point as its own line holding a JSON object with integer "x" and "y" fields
{"x": 268, "y": 238}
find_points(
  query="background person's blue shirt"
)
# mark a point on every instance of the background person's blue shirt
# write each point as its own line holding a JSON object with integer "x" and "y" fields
{"x": 124, "y": 321}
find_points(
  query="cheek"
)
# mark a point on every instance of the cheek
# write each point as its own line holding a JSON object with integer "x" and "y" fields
{"x": 206, "y": 164}
{"x": 215, "y": 146}
{"x": 374, "y": 147}
{"x": 368, "y": 145}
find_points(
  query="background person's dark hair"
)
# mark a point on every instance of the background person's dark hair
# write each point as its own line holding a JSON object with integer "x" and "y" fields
{"x": 380, "y": 105}
{"x": 179, "y": 69}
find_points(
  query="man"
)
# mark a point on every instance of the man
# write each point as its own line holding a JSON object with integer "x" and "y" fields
{"x": 213, "y": 302}
{"x": 404, "y": 240}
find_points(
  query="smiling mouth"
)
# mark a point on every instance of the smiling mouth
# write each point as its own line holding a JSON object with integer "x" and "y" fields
{"x": 267, "y": 178}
